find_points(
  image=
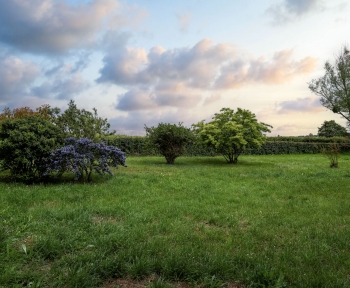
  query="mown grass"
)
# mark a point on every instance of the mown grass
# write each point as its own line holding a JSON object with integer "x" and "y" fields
{"x": 278, "y": 221}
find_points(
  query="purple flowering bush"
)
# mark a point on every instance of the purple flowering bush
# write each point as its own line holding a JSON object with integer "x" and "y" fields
{"x": 83, "y": 156}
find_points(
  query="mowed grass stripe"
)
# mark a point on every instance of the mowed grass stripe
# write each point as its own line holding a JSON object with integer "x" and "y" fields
{"x": 274, "y": 220}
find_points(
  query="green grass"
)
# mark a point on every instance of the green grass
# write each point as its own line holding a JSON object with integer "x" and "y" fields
{"x": 278, "y": 221}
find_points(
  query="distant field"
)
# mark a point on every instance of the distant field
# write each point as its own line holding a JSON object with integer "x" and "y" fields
{"x": 276, "y": 220}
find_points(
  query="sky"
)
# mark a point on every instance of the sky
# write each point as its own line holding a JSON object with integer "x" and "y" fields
{"x": 142, "y": 62}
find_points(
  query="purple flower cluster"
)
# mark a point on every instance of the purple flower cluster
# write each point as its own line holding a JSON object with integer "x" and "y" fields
{"x": 82, "y": 156}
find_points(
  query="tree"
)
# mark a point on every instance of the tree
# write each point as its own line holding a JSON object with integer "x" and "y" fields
{"x": 334, "y": 86}
{"x": 83, "y": 156}
{"x": 44, "y": 111}
{"x": 169, "y": 140}
{"x": 25, "y": 144}
{"x": 331, "y": 129}
{"x": 80, "y": 123}
{"x": 230, "y": 133}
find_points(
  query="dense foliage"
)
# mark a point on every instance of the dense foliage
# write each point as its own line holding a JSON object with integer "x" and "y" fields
{"x": 83, "y": 156}
{"x": 25, "y": 144}
{"x": 80, "y": 123}
{"x": 136, "y": 146}
{"x": 44, "y": 111}
{"x": 169, "y": 140}
{"x": 334, "y": 87}
{"x": 231, "y": 132}
{"x": 308, "y": 139}
{"x": 331, "y": 129}
{"x": 73, "y": 122}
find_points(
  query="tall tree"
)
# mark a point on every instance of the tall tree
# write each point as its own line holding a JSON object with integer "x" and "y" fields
{"x": 334, "y": 86}
{"x": 331, "y": 129}
{"x": 80, "y": 123}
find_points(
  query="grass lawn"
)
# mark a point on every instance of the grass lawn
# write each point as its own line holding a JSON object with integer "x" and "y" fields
{"x": 278, "y": 221}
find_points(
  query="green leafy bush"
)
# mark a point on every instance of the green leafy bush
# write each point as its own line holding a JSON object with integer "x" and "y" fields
{"x": 230, "y": 133}
{"x": 169, "y": 140}
{"x": 25, "y": 144}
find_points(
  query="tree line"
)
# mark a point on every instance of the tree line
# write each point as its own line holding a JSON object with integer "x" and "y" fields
{"x": 38, "y": 143}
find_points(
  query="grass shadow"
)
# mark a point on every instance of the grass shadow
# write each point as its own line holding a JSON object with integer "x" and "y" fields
{"x": 66, "y": 178}
{"x": 186, "y": 161}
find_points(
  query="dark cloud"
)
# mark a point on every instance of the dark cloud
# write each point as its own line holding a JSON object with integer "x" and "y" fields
{"x": 16, "y": 76}
{"x": 310, "y": 105}
{"x": 289, "y": 10}
{"x": 48, "y": 26}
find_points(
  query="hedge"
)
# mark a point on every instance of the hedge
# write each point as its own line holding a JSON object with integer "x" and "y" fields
{"x": 136, "y": 146}
{"x": 309, "y": 139}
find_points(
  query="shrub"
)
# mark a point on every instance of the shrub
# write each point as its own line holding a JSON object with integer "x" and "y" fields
{"x": 170, "y": 140}
{"x": 82, "y": 156}
{"x": 230, "y": 133}
{"x": 331, "y": 151}
{"x": 25, "y": 144}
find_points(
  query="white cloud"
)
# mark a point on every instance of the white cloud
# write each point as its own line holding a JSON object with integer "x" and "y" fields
{"x": 184, "y": 76}
{"x": 16, "y": 76}
{"x": 281, "y": 68}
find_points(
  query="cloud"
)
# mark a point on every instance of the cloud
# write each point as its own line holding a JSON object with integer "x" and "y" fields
{"x": 48, "y": 26}
{"x": 61, "y": 88}
{"x": 309, "y": 105}
{"x": 211, "y": 99}
{"x": 289, "y": 10}
{"x": 185, "y": 76}
{"x": 15, "y": 77}
{"x": 175, "y": 95}
{"x": 136, "y": 99}
{"x": 133, "y": 122}
{"x": 196, "y": 66}
{"x": 281, "y": 68}
{"x": 184, "y": 21}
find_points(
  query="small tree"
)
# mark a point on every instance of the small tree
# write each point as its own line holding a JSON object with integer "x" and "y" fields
{"x": 331, "y": 129}
{"x": 83, "y": 156}
{"x": 25, "y": 144}
{"x": 80, "y": 123}
{"x": 169, "y": 140}
{"x": 331, "y": 151}
{"x": 334, "y": 86}
{"x": 230, "y": 133}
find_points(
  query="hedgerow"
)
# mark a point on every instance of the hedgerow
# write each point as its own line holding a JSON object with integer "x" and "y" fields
{"x": 136, "y": 145}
